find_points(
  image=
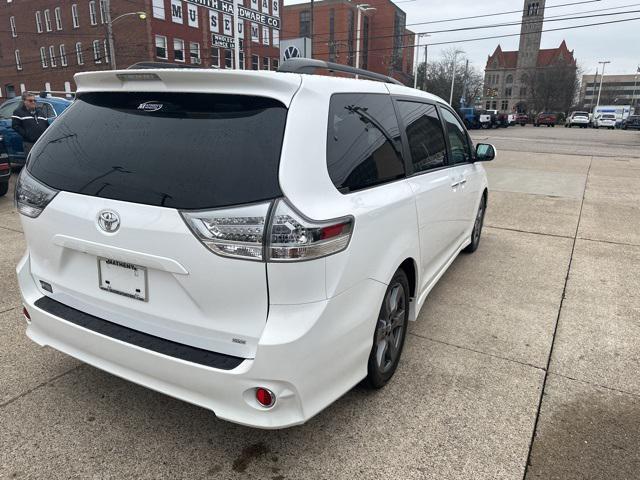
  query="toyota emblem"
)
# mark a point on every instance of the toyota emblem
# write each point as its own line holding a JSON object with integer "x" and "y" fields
{"x": 109, "y": 221}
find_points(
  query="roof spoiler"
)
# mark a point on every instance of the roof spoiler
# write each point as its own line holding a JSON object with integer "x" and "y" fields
{"x": 147, "y": 65}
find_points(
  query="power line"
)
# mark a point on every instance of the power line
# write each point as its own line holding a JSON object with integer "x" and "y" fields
{"x": 497, "y": 25}
{"x": 475, "y": 39}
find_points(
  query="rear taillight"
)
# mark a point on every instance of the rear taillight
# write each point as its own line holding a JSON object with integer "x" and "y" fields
{"x": 271, "y": 231}
{"x": 4, "y": 167}
{"x": 32, "y": 196}
{"x": 293, "y": 237}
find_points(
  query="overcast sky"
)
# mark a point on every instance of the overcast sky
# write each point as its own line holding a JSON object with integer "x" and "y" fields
{"x": 618, "y": 43}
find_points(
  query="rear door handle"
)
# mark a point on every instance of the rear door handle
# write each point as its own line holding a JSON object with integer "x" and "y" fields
{"x": 454, "y": 185}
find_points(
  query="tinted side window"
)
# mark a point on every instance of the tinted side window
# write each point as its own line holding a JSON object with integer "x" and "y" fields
{"x": 425, "y": 135}
{"x": 363, "y": 141}
{"x": 460, "y": 148}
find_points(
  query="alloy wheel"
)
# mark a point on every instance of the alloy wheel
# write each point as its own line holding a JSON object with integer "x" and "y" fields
{"x": 390, "y": 328}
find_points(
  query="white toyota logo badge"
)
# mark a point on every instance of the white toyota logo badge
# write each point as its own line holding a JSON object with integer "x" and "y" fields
{"x": 109, "y": 221}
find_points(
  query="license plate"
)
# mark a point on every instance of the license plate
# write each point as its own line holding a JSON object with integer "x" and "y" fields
{"x": 123, "y": 278}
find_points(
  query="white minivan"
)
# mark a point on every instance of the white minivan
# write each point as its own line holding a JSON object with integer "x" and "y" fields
{"x": 250, "y": 242}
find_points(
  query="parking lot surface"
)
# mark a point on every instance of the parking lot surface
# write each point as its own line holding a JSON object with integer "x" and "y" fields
{"x": 523, "y": 363}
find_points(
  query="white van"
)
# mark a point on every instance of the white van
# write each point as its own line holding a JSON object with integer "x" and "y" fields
{"x": 250, "y": 242}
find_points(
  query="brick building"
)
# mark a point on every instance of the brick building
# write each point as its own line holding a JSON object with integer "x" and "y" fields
{"x": 386, "y": 46}
{"x": 43, "y": 43}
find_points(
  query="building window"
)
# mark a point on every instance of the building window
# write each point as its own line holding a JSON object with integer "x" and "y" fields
{"x": 18, "y": 61}
{"x": 161, "y": 46}
{"x": 275, "y": 63}
{"x": 47, "y": 20}
{"x": 178, "y": 50}
{"x": 158, "y": 9}
{"x": 43, "y": 57}
{"x": 505, "y": 105}
{"x": 228, "y": 59}
{"x": 305, "y": 23}
{"x": 103, "y": 11}
{"x": 265, "y": 63}
{"x": 92, "y": 13}
{"x": 276, "y": 37}
{"x": 39, "y": 21}
{"x": 365, "y": 42}
{"x": 194, "y": 53}
{"x": 255, "y": 62}
{"x": 63, "y": 56}
{"x": 97, "y": 58}
{"x": 12, "y": 22}
{"x": 509, "y": 79}
{"x": 241, "y": 60}
{"x": 106, "y": 51}
{"x": 67, "y": 89}
{"x": 79, "y": 55}
{"x": 508, "y": 91}
{"x": 494, "y": 105}
{"x": 57, "y": 13}
{"x": 52, "y": 56}
{"x": 488, "y": 105}
{"x": 74, "y": 15}
{"x": 215, "y": 57}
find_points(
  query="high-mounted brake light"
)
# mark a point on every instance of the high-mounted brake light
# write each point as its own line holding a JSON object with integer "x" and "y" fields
{"x": 268, "y": 231}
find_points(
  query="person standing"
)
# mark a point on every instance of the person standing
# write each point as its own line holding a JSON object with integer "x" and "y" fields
{"x": 29, "y": 121}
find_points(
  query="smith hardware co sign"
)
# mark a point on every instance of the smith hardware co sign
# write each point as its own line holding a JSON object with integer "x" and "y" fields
{"x": 243, "y": 12}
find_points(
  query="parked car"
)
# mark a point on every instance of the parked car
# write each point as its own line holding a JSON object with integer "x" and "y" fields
{"x": 522, "y": 119}
{"x": 512, "y": 118}
{"x": 579, "y": 119}
{"x": 5, "y": 169}
{"x": 272, "y": 268}
{"x": 605, "y": 120}
{"x": 631, "y": 123}
{"x": 52, "y": 106}
{"x": 487, "y": 119}
{"x": 545, "y": 118}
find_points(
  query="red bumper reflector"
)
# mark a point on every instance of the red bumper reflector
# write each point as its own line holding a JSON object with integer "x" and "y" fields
{"x": 26, "y": 313}
{"x": 265, "y": 397}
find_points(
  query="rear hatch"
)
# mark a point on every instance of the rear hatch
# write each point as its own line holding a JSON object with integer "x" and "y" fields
{"x": 141, "y": 161}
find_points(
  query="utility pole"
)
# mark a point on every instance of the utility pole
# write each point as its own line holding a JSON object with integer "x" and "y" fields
{"x": 453, "y": 74}
{"x": 633, "y": 95}
{"x": 236, "y": 36}
{"x": 604, "y": 64}
{"x": 363, "y": 7}
{"x": 464, "y": 84}
{"x": 424, "y": 79}
{"x": 112, "y": 50}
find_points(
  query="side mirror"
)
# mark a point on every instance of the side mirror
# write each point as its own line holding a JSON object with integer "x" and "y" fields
{"x": 485, "y": 152}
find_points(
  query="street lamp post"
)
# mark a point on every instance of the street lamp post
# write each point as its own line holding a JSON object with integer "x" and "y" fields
{"x": 453, "y": 74}
{"x": 604, "y": 64}
{"x": 109, "y": 23}
{"x": 633, "y": 95}
{"x": 363, "y": 7}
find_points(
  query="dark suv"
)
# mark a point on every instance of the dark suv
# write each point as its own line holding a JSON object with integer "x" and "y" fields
{"x": 631, "y": 123}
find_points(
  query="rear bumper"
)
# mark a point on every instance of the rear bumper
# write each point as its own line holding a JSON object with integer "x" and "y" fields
{"x": 309, "y": 355}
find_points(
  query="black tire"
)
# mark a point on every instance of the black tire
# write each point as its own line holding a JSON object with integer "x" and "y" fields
{"x": 390, "y": 332}
{"x": 4, "y": 188}
{"x": 476, "y": 233}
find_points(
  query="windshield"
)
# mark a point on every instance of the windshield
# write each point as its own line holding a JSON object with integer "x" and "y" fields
{"x": 179, "y": 150}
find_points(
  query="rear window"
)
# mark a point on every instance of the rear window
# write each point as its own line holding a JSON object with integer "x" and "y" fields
{"x": 178, "y": 150}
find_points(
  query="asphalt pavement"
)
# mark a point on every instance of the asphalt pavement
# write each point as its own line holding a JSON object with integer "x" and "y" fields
{"x": 523, "y": 363}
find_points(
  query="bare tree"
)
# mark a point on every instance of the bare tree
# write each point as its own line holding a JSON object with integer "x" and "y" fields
{"x": 468, "y": 83}
{"x": 553, "y": 88}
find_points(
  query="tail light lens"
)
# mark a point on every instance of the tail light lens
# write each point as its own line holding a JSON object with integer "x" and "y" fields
{"x": 293, "y": 237}
{"x": 268, "y": 231}
{"x": 234, "y": 232}
{"x": 32, "y": 196}
{"x": 4, "y": 167}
